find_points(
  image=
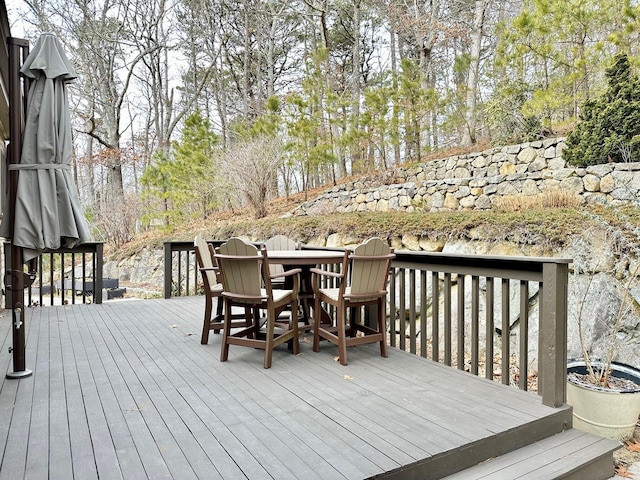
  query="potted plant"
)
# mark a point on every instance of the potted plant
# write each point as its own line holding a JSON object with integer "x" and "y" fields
{"x": 605, "y": 394}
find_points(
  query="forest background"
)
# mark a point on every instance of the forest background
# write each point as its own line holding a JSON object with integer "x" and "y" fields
{"x": 184, "y": 109}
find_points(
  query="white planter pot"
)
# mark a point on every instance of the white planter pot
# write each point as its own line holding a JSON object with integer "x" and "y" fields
{"x": 608, "y": 413}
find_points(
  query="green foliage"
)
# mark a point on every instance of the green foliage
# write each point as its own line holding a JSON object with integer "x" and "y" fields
{"x": 557, "y": 47}
{"x": 609, "y": 127}
{"x": 310, "y": 143}
{"x": 415, "y": 102}
{"x": 375, "y": 120}
{"x": 505, "y": 113}
{"x": 265, "y": 125}
{"x": 179, "y": 185}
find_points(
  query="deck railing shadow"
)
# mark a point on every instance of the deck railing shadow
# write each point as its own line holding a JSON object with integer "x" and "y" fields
{"x": 501, "y": 317}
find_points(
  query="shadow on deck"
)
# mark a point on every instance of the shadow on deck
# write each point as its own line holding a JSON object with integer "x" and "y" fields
{"x": 125, "y": 390}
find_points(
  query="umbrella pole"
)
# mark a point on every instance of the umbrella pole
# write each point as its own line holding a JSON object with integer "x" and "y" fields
{"x": 16, "y": 280}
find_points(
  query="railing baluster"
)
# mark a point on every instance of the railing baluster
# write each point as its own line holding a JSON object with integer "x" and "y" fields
{"x": 461, "y": 326}
{"x": 188, "y": 275}
{"x": 435, "y": 316}
{"x": 62, "y": 278}
{"x": 489, "y": 325}
{"x": 403, "y": 311}
{"x": 392, "y": 307}
{"x": 447, "y": 319}
{"x": 423, "y": 313}
{"x": 412, "y": 310}
{"x": 475, "y": 322}
{"x": 51, "y": 270}
{"x": 73, "y": 278}
{"x": 506, "y": 327}
{"x": 524, "y": 334}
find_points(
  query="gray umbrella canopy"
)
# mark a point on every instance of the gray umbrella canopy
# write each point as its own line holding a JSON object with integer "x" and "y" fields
{"x": 47, "y": 214}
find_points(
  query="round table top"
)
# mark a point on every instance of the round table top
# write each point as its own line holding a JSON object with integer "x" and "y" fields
{"x": 304, "y": 257}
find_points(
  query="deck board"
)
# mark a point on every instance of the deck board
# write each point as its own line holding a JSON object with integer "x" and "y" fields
{"x": 125, "y": 390}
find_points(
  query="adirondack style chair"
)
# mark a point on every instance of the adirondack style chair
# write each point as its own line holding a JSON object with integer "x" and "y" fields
{"x": 280, "y": 242}
{"x": 368, "y": 270}
{"x": 213, "y": 289}
{"x": 247, "y": 283}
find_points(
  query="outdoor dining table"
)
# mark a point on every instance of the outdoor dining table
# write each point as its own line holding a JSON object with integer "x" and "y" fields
{"x": 305, "y": 260}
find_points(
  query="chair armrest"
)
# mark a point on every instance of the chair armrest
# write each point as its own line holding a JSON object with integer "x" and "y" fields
{"x": 209, "y": 269}
{"x": 319, "y": 271}
{"x": 286, "y": 273}
{"x": 372, "y": 257}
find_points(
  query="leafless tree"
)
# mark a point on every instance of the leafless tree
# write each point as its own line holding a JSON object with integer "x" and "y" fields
{"x": 250, "y": 169}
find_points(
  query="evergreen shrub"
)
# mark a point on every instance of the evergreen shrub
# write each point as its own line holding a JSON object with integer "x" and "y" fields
{"x": 609, "y": 126}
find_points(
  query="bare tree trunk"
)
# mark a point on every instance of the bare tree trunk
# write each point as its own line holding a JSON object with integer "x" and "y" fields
{"x": 247, "y": 61}
{"x": 356, "y": 151}
{"x": 469, "y": 135}
{"x": 394, "y": 82}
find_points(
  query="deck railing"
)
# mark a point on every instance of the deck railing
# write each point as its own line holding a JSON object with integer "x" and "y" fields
{"x": 67, "y": 275}
{"x": 501, "y": 317}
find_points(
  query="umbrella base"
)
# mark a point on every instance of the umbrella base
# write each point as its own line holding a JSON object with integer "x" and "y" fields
{"x": 21, "y": 374}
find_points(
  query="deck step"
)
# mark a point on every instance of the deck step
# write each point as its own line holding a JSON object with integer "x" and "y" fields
{"x": 572, "y": 454}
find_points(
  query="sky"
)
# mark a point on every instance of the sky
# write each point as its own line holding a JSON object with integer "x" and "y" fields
{"x": 15, "y": 11}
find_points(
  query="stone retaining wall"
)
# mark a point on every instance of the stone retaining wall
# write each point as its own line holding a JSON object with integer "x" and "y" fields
{"x": 476, "y": 180}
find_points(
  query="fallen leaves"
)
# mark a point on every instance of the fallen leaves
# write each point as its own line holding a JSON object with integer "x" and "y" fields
{"x": 621, "y": 470}
{"x": 347, "y": 377}
{"x": 633, "y": 445}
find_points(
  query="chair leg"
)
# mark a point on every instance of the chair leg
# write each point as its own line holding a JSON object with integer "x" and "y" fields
{"x": 207, "y": 322}
{"x": 219, "y": 312}
{"x": 316, "y": 326}
{"x": 382, "y": 327}
{"x": 342, "y": 336}
{"x": 268, "y": 350}
{"x": 226, "y": 331}
{"x": 294, "y": 326}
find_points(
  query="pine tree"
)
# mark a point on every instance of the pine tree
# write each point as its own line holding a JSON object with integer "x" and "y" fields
{"x": 609, "y": 127}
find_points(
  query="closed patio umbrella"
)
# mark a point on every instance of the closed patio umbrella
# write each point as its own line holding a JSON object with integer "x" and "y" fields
{"x": 47, "y": 213}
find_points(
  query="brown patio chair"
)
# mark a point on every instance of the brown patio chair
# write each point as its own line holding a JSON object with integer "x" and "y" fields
{"x": 213, "y": 289}
{"x": 280, "y": 242}
{"x": 247, "y": 283}
{"x": 369, "y": 270}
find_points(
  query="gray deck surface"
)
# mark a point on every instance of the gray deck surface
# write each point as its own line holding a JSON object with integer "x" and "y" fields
{"x": 125, "y": 390}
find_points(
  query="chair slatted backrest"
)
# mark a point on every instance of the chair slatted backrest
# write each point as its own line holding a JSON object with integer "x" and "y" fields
{"x": 241, "y": 267}
{"x": 370, "y": 263}
{"x": 280, "y": 242}
{"x": 204, "y": 256}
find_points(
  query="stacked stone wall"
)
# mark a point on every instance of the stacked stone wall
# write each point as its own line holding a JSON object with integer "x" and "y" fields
{"x": 477, "y": 180}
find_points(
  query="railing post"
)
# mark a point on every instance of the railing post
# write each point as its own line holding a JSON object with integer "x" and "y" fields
{"x": 168, "y": 267}
{"x": 552, "y": 339}
{"x": 97, "y": 281}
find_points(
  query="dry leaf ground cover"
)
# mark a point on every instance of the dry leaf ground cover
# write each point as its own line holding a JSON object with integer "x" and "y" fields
{"x": 627, "y": 455}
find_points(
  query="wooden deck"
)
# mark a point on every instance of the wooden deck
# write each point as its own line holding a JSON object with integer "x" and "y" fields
{"x": 124, "y": 390}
